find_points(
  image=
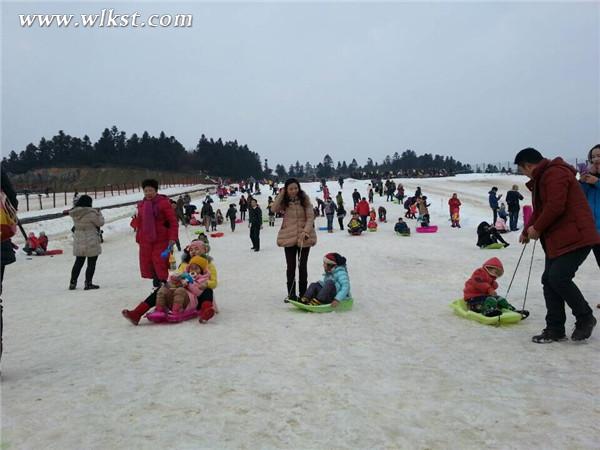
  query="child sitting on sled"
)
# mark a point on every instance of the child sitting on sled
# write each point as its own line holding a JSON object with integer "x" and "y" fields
{"x": 37, "y": 245}
{"x": 401, "y": 227}
{"x": 206, "y": 302}
{"x": 335, "y": 285}
{"x": 480, "y": 290}
{"x": 180, "y": 294}
{"x": 372, "y": 225}
{"x": 372, "y": 214}
{"x": 355, "y": 225}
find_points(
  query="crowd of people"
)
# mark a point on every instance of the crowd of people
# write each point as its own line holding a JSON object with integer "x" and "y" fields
{"x": 566, "y": 218}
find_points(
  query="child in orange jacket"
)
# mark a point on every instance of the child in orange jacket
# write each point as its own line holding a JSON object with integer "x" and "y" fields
{"x": 480, "y": 290}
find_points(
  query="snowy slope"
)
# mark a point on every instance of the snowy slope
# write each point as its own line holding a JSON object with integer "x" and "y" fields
{"x": 399, "y": 371}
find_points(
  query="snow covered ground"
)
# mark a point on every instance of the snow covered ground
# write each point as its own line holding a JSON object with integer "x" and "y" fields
{"x": 398, "y": 371}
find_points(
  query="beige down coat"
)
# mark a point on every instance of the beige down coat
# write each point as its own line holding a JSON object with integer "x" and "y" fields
{"x": 86, "y": 239}
{"x": 296, "y": 219}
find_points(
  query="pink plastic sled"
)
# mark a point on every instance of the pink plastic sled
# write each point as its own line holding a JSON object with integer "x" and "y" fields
{"x": 163, "y": 317}
{"x": 429, "y": 229}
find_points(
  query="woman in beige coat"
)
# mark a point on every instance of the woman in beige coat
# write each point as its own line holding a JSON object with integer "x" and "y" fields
{"x": 86, "y": 240}
{"x": 297, "y": 233}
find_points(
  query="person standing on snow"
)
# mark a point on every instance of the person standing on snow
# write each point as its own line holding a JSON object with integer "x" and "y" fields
{"x": 564, "y": 223}
{"x": 493, "y": 200}
{"x": 513, "y": 197}
{"x": 590, "y": 183}
{"x": 255, "y": 224}
{"x": 297, "y": 233}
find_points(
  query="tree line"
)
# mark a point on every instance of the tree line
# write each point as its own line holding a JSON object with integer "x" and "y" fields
{"x": 217, "y": 158}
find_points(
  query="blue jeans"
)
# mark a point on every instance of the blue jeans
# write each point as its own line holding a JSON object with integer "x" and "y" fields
{"x": 329, "y": 222}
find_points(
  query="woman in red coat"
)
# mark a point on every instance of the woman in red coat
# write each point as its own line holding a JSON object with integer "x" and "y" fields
{"x": 156, "y": 229}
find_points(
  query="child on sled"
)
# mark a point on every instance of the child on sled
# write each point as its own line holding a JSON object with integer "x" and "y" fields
{"x": 335, "y": 285}
{"x": 480, "y": 290}
{"x": 355, "y": 225}
{"x": 180, "y": 295}
{"x": 401, "y": 227}
{"x": 382, "y": 212}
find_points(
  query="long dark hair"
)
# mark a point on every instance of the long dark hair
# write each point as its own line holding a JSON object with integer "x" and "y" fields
{"x": 304, "y": 201}
{"x": 590, "y": 152}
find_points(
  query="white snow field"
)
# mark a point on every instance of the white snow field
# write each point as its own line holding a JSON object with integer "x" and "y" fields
{"x": 399, "y": 371}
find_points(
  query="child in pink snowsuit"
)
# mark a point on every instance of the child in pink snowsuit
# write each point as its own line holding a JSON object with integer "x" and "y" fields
{"x": 180, "y": 296}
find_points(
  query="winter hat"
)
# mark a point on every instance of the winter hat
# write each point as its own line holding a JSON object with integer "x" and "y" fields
{"x": 334, "y": 259}
{"x": 494, "y": 263}
{"x": 199, "y": 261}
{"x": 201, "y": 246}
{"x": 85, "y": 201}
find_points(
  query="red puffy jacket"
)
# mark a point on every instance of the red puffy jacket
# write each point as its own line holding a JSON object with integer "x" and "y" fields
{"x": 561, "y": 213}
{"x": 363, "y": 208}
{"x": 481, "y": 282}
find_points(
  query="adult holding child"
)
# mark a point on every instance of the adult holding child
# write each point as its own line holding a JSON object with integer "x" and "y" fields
{"x": 297, "y": 233}
{"x": 563, "y": 221}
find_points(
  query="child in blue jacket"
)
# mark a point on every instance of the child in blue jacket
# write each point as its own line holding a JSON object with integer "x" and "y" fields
{"x": 334, "y": 287}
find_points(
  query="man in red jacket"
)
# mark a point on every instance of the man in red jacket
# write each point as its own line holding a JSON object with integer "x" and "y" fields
{"x": 563, "y": 221}
{"x": 363, "y": 209}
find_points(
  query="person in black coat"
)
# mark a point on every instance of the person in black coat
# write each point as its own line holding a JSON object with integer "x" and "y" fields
{"x": 255, "y": 224}
{"x": 231, "y": 214}
{"x": 355, "y": 197}
{"x": 7, "y": 251}
{"x": 487, "y": 235}
{"x": 513, "y": 197}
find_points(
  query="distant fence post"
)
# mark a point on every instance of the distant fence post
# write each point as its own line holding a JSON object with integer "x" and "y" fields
{"x": 53, "y": 199}
{"x": 125, "y": 188}
{"x": 112, "y": 193}
{"x": 27, "y": 201}
{"x": 95, "y": 193}
{"x": 40, "y": 198}
{"x": 118, "y": 189}
{"x": 65, "y": 198}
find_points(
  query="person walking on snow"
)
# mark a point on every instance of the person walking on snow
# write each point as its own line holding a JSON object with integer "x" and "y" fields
{"x": 493, "y": 200}
{"x": 564, "y": 223}
{"x": 513, "y": 197}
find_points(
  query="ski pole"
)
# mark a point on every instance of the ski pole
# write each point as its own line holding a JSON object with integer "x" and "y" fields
{"x": 515, "y": 272}
{"x": 528, "y": 276}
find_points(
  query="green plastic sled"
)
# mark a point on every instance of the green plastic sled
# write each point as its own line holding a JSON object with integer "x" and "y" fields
{"x": 496, "y": 246}
{"x": 460, "y": 308}
{"x": 345, "y": 305}
{"x": 402, "y": 234}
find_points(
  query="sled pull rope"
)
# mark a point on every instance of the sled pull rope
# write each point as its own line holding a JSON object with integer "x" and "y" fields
{"x": 515, "y": 272}
{"x": 528, "y": 276}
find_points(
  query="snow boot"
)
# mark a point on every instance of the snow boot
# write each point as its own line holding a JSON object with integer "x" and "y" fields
{"x": 158, "y": 315}
{"x": 583, "y": 328}
{"x": 135, "y": 315}
{"x": 206, "y": 312}
{"x": 549, "y": 336}
{"x": 89, "y": 285}
{"x": 72, "y": 285}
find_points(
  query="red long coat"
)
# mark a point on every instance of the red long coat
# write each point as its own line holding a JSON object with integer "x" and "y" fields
{"x": 481, "y": 282}
{"x": 561, "y": 213}
{"x": 167, "y": 228}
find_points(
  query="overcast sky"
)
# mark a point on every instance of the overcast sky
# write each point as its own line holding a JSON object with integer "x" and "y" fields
{"x": 478, "y": 81}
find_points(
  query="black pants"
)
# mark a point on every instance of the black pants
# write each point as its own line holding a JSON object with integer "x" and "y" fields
{"x": 363, "y": 222}
{"x": 178, "y": 245}
{"x": 232, "y": 225}
{"x": 341, "y": 222}
{"x": 513, "y": 218}
{"x": 596, "y": 249}
{"x": 243, "y": 215}
{"x": 495, "y": 211}
{"x": 291, "y": 257}
{"x": 89, "y": 270}
{"x": 255, "y": 236}
{"x": 557, "y": 281}
{"x": 495, "y": 235}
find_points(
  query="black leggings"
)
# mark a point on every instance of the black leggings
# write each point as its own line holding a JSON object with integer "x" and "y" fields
{"x": 291, "y": 258}
{"x": 89, "y": 270}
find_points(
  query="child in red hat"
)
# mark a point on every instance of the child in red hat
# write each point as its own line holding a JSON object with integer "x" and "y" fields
{"x": 480, "y": 290}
